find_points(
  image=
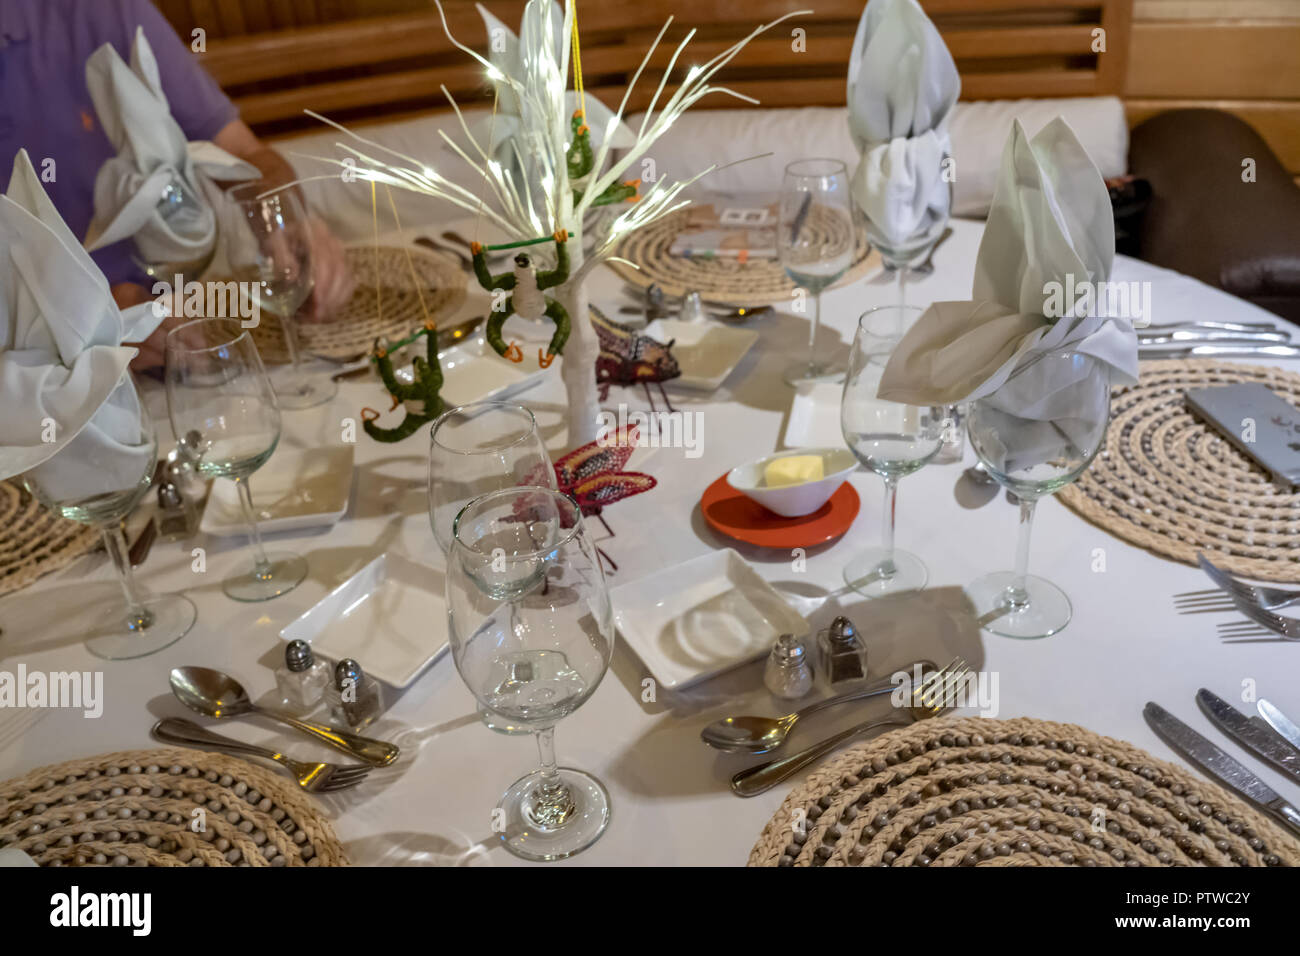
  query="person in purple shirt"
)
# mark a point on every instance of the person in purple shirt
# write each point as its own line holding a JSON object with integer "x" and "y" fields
{"x": 46, "y": 109}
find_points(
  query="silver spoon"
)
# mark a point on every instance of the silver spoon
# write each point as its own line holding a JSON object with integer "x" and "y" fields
{"x": 759, "y": 735}
{"x": 214, "y": 694}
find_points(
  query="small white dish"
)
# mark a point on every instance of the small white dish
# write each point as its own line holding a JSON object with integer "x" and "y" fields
{"x": 472, "y": 372}
{"x": 814, "y": 416}
{"x": 694, "y": 620}
{"x": 706, "y": 352}
{"x": 391, "y": 617}
{"x": 794, "y": 501}
{"x": 295, "y": 489}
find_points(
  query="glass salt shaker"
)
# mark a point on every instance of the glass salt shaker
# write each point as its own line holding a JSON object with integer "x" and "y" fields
{"x": 301, "y": 679}
{"x": 841, "y": 655}
{"x": 788, "y": 672}
{"x": 354, "y": 698}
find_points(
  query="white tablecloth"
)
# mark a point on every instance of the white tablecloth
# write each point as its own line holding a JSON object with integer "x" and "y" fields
{"x": 671, "y": 803}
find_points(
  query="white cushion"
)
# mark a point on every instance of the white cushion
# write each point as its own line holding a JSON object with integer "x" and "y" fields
{"x": 979, "y": 133}
{"x": 701, "y": 138}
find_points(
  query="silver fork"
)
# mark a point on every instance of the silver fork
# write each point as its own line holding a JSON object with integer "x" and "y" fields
{"x": 312, "y": 777}
{"x": 1203, "y": 602}
{"x": 936, "y": 693}
{"x": 1287, "y": 627}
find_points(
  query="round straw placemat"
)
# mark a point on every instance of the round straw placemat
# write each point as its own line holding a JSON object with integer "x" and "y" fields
{"x": 139, "y": 808}
{"x": 386, "y": 304}
{"x": 34, "y": 540}
{"x": 717, "y": 279}
{"x": 966, "y": 791}
{"x": 1168, "y": 482}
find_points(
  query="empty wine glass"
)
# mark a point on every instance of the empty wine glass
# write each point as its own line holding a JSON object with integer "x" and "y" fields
{"x": 267, "y": 241}
{"x": 901, "y": 255}
{"x": 815, "y": 235}
{"x": 1069, "y": 396}
{"x": 107, "y": 484}
{"x": 219, "y": 397}
{"x": 890, "y": 439}
{"x": 474, "y": 449}
{"x": 531, "y": 632}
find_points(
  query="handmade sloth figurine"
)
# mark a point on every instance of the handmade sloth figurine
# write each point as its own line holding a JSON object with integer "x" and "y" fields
{"x": 527, "y": 300}
{"x": 421, "y": 398}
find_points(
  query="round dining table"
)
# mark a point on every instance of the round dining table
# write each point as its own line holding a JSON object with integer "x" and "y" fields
{"x": 670, "y": 795}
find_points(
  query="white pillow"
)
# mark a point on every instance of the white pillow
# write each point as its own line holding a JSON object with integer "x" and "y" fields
{"x": 979, "y": 132}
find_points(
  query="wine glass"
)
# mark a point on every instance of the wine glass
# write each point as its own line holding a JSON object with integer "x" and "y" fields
{"x": 474, "y": 449}
{"x": 184, "y": 214}
{"x": 900, "y": 255}
{"x": 1033, "y": 457}
{"x": 815, "y": 244}
{"x": 268, "y": 245}
{"x": 120, "y": 475}
{"x": 532, "y": 632}
{"x": 220, "y": 399}
{"x": 890, "y": 439}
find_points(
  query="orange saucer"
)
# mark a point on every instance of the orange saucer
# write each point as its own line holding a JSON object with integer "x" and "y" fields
{"x": 729, "y": 512}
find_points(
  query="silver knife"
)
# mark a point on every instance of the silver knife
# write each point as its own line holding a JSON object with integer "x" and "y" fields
{"x": 1218, "y": 765}
{"x": 1261, "y": 350}
{"x": 1206, "y": 324}
{"x": 1252, "y": 735}
{"x": 1280, "y": 723}
{"x": 1209, "y": 337}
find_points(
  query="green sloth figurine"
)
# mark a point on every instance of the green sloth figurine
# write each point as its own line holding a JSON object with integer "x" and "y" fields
{"x": 421, "y": 398}
{"x": 526, "y": 284}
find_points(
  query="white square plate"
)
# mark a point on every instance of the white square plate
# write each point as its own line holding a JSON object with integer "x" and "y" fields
{"x": 298, "y": 488}
{"x": 814, "y": 420}
{"x": 692, "y": 621}
{"x": 472, "y": 372}
{"x": 706, "y": 351}
{"x": 391, "y": 617}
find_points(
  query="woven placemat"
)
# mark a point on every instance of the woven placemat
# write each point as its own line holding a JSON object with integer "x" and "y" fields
{"x": 1168, "y": 482}
{"x": 34, "y": 540}
{"x": 386, "y": 304}
{"x": 721, "y": 280}
{"x": 966, "y": 791}
{"x": 138, "y": 808}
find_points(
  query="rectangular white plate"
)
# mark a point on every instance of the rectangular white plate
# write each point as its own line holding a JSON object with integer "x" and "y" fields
{"x": 472, "y": 372}
{"x": 815, "y": 416}
{"x": 705, "y": 351}
{"x": 391, "y": 617}
{"x": 695, "y": 620}
{"x": 298, "y": 488}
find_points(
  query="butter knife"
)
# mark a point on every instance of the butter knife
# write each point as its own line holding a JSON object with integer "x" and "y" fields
{"x": 1220, "y": 767}
{"x": 1256, "y": 737}
{"x": 1257, "y": 350}
{"x": 1280, "y": 723}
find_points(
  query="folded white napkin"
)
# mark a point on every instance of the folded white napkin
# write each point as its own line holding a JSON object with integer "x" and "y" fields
{"x": 71, "y": 414}
{"x": 507, "y": 54}
{"x": 903, "y": 85}
{"x": 1050, "y": 230}
{"x": 152, "y": 154}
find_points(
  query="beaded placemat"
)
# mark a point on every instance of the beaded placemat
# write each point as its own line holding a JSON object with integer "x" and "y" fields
{"x": 966, "y": 791}
{"x": 388, "y": 303}
{"x": 717, "y": 279}
{"x": 34, "y": 540}
{"x": 1168, "y": 482}
{"x": 139, "y": 808}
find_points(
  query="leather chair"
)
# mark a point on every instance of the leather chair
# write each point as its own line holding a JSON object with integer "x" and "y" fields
{"x": 1204, "y": 220}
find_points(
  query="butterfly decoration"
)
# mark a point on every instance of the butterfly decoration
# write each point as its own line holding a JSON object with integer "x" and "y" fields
{"x": 593, "y": 476}
{"x": 629, "y": 358}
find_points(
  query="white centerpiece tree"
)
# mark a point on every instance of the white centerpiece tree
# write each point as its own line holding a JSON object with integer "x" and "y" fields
{"x": 534, "y": 196}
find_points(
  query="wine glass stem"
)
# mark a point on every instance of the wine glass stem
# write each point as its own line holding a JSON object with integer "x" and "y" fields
{"x": 902, "y": 285}
{"x": 1017, "y": 596}
{"x": 290, "y": 326}
{"x": 138, "y": 617}
{"x": 887, "y": 567}
{"x": 261, "y": 566}
{"x": 812, "y": 331}
{"x": 550, "y": 804}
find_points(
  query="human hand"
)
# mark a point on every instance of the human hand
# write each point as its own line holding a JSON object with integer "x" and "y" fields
{"x": 152, "y": 351}
{"x": 332, "y": 280}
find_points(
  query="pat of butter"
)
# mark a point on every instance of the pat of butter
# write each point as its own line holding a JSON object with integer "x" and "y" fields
{"x": 793, "y": 470}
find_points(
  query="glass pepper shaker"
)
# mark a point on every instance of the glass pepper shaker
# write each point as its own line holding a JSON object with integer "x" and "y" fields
{"x": 354, "y": 698}
{"x": 841, "y": 655}
{"x": 788, "y": 673}
{"x": 301, "y": 679}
